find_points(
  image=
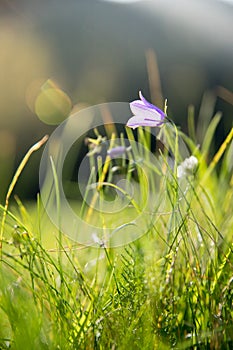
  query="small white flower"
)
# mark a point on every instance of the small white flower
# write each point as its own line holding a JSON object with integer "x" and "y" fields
{"x": 98, "y": 240}
{"x": 187, "y": 167}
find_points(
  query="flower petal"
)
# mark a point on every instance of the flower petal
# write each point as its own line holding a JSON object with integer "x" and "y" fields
{"x": 150, "y": 105}
{"x": 147, "y": 103}
{"x": 116, "y": 152}
{"x": 143, "y": 107}
{"x": 139, "y": 108}
{"x": 145, "y": 114}
{"x": 187, "y": 167}
{"x": 181, "y": 172}
{"x": 137, "y": 121}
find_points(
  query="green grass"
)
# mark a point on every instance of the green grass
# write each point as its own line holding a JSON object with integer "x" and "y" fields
{"x": 170, "y": 289}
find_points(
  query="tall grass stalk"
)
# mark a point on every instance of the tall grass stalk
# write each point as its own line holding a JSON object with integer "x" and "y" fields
{"x": 172, "y": 288}
{"x": 18, "y": 172}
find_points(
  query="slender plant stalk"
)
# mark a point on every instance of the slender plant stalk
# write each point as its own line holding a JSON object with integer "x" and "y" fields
{"x": 58, "y": 204}
{"x": 217, "y": 156}
{"x": 101, "y": 180}
{"x": 34, "y": 148}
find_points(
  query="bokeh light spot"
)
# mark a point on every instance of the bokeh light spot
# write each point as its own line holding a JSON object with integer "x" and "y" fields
{"x": 52, "y": 105}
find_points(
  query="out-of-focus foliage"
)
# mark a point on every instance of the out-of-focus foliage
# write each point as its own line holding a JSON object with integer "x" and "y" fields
{"x": 96, "y": 51}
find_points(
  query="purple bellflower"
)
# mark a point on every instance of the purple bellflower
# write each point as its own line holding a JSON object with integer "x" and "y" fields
{"x": 145, "y": 114}
{"x": 118, "y": 151}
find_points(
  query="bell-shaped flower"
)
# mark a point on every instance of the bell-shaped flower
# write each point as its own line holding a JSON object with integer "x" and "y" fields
{"x": 118, "y": 151}
{"x": 145, "y": 114}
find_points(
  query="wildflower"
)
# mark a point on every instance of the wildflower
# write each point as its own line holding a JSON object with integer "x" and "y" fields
{"x": 118, "y": 151}
{"x": 95, "y": 145}
{"x": 145, "y": 114}
{"x": 98, "y": 240}
{"x": 187, "y": 167}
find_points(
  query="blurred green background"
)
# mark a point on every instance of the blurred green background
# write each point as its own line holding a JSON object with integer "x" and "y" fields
{"x": 100, "y": 51}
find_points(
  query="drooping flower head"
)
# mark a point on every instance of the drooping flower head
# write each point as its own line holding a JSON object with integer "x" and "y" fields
{"x": 145, "y": 114}
{"x": 117, "y": 151}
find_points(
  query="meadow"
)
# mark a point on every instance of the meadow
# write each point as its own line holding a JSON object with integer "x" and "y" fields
{"x": 167, "y": 286}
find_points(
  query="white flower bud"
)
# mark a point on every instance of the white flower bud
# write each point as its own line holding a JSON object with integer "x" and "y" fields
{"x": 187, "y": 167}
